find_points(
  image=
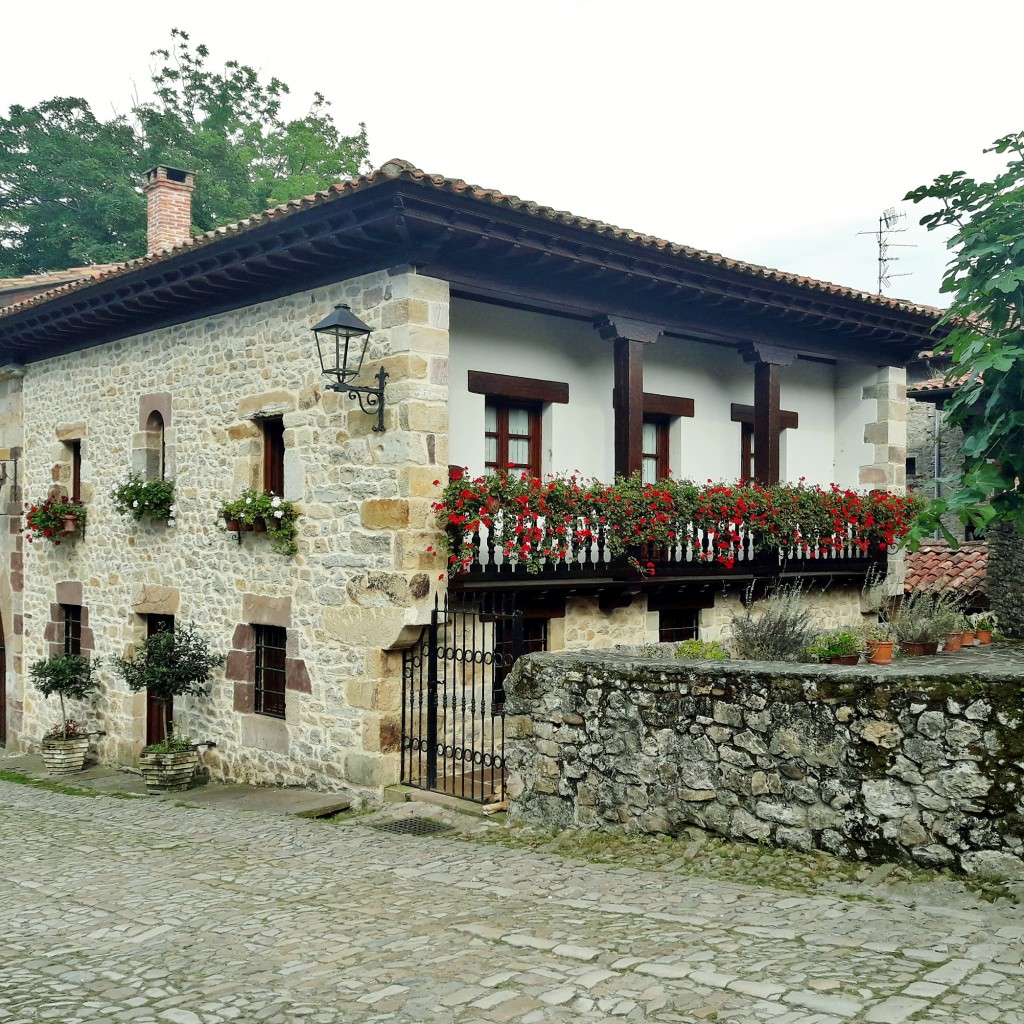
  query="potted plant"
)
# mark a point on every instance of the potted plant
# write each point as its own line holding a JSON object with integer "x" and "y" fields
{"x": 915, "y": 625}
{"x": 880, "y": 643}
{"x": 71, "y": 676}
{"x": 262, "y": 511}
{"x": 836, "y": 647}
{"x": 54, "y": 519}
{"x": 983, "y": 626}
{"x": 135, "y": 497}
{"x": 966, "y": 627}
{"x": 169, "y": 664}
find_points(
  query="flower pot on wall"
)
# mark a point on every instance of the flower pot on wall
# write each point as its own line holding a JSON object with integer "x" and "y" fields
{"x": 952, "y": 642}
{"x": 844, "y": 659}
{"x": 169, "y": 772}
{"x": 70, "y": 524}
{"x": 918, "y": 648}
{"x": 231, "y": 524}
{"x": 880, "y": 652}
{"x": 967, "y": 638}
{"x": 65, "y": 757}
{"x": 984, "y": 636}
{"x": 259, "y": 525}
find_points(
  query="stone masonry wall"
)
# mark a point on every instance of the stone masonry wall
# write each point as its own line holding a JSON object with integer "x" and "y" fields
{"x": 367, "y": 563}
{"x": 865, "y": 763}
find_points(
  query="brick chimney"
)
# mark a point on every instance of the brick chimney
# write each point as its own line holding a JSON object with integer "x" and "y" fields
{"x": 168, "y": 194}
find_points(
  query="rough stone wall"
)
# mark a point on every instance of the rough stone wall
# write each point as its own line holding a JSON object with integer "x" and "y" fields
{"x": 363, "y": 577}
{"x": 11, "y": 542}
{"x": 1006, "y": 578}
{"x": 865, "y": 763}
{"x": 588, "y": 627}
{"x": 925, "y": 423}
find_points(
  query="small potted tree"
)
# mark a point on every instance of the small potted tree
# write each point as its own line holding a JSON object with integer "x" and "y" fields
{"x": 170, "y": 664}
{"x": 71, "y": 676}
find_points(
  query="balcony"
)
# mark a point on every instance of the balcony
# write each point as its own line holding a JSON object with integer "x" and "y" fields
{"x": 522, "y": 531}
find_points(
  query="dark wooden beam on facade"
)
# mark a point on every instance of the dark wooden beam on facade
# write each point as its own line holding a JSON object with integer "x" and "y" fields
{"x": 628, "y": 403}
{"x": 525, "y": 389}
{"x": 667, "y": 405}
{"x": 767, "y": 423}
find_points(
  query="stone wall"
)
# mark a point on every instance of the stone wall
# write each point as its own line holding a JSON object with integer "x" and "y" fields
{"x": 875, "y": 764}
{"x": 368, "y": 562}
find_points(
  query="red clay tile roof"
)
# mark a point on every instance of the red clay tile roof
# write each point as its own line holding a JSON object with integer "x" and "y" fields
{"x": 936, "y": 384}
{"x": 397, "y": 168}
{"x": 935, "y": 566}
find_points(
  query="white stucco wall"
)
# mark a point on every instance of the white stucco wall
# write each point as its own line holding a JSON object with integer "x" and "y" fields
{"x": 493, "y": 339}
{"x": 852, "y": 414}
{"x": 828, "y": 445}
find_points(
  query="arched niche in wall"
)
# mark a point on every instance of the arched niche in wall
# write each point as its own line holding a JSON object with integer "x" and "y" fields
{"x": 153, "y": 448}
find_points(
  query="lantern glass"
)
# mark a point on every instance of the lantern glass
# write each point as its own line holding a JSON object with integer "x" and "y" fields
{"x": 341, "y": 340}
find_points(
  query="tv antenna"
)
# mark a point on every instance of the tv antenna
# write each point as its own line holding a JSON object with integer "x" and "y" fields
{"x": 887, "y": 222}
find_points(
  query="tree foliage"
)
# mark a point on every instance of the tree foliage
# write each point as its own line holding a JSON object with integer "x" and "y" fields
{"x": 985, "y": 279}
{"x": 69, "y": 189}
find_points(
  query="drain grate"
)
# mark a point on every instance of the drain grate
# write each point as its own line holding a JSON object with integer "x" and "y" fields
{"x": 412, "y": 827}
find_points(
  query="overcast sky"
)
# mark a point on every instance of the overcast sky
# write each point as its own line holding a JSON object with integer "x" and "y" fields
{"x": 770, "y": 132}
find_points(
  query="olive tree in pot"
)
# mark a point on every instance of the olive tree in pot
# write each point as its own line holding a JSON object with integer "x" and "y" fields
{"x": 71, "y": 676}
{"x": 170, "y": 664}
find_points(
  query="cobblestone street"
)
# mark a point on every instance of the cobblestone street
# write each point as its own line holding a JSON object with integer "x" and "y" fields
{"x": 145, "y": 911}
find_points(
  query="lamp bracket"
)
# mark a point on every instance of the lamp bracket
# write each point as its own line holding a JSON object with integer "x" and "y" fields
{"x": 371, "y": 400}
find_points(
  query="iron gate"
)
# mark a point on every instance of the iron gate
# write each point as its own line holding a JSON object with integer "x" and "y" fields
{"x": 453, "y": 696}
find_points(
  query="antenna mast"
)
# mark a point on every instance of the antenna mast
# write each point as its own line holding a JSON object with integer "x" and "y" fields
{"x": 887, "y": 226}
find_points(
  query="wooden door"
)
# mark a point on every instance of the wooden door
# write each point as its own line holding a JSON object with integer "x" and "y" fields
{"x": 155, "y": 732}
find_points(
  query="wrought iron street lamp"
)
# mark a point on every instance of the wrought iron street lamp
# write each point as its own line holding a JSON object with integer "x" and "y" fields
{"x": 341, "y": 341}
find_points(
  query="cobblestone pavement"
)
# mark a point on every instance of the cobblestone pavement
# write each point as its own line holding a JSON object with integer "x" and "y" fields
{"x": 150, "y": 912}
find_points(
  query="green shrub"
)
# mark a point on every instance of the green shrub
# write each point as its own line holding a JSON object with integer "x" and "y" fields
{"x": 702, "y": 650}
{"x": 781, "y": 632}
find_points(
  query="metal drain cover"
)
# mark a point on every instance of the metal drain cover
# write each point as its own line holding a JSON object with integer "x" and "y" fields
{"x": 412, "y": 827}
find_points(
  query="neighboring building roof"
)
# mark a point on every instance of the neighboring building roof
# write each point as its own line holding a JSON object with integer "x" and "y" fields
{"x": 936, "y": 388}
{"x": 398, "y": 214}
{"x": 938, "y": 568}
{"x": 15, "y": 290}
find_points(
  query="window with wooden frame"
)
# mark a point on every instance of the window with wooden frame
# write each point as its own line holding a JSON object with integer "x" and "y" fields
{"x": 72, "y": 616}
{"x": 75, "y": 452}
{"x": 512, "y": 418}
{"x": 512, "y": 437}
{"x": 271, "y": 644}
{"x": 273, "y": 455}
{"x": 654, "y": 462}
{"x": 677, "y": 624}
{"x": 747, "y": 451}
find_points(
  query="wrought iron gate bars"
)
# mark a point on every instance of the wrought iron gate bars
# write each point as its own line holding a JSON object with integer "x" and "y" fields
{"x": 453, "y": 725}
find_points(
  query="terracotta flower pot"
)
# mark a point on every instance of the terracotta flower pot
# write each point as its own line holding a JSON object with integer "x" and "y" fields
{"x": 918, "y": 648}
{"x": 967, "y": 638}
{"x": 984, "y": 636}
{"x": 880, "y": 652}
{"x": 70, "y": 524}
{"x": 231, "y": 524}
{"x": 952, "y": 642}
{"x": 259, "y": 525}
{"x": 844, "y": 659}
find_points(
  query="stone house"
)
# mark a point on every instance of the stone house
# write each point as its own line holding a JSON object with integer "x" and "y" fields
{"x": 512, "y": 334}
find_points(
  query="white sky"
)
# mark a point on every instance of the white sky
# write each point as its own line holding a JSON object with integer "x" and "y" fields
{"x": 770, "y": 132}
